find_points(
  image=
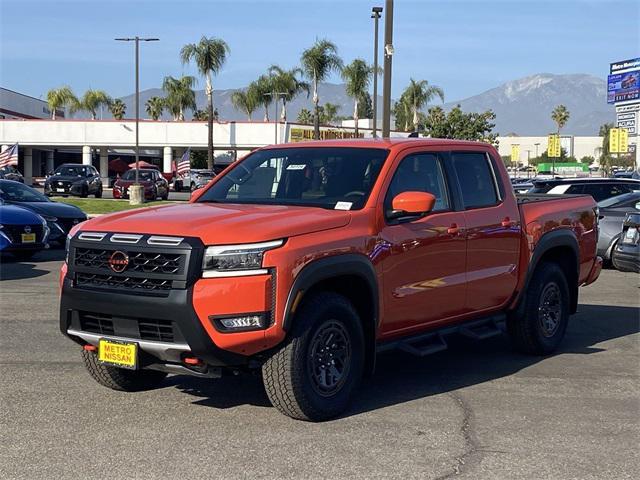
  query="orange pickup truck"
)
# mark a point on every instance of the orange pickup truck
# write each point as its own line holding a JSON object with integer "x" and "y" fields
{"x": 305, "y": 260}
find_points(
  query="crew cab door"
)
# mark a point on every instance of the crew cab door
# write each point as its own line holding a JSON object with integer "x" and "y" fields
{"x": 493, "y": 230}
{"x": 424, "y": 268}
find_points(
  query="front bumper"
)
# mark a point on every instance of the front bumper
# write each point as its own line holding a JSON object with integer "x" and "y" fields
{"x": 64, "y": 189}
{"x": 627, "y": 258}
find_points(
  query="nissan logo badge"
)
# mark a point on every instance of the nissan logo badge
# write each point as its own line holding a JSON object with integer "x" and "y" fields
{"x": 119, "y": 261}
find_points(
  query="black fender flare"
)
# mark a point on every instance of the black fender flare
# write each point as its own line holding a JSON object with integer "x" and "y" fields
{"x": 326, "y": 268}
{"x": 549, "y": 241}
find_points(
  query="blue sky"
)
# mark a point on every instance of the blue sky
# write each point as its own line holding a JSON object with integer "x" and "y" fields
{"x": 465, "y": 47}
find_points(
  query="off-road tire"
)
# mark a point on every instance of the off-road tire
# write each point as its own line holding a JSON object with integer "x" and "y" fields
{"x": 119, "y": 378}
{"x": 287, "y": 375}
{"x": 528, "y": 332}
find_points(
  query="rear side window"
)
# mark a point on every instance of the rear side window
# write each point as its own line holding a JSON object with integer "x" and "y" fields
{"x": 600, "y": 191}
{"x": 476, "y": 178}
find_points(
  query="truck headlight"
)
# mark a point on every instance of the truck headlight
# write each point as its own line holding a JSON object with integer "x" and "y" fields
{"x": 236, "y": 260}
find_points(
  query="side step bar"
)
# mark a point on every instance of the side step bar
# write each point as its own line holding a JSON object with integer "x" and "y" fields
{"x": 434, "y": 341}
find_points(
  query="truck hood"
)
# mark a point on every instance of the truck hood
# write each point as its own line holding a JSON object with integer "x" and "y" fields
{"x": 221, "y": 223}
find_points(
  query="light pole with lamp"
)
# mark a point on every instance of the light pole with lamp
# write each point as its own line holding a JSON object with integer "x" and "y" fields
{"x": 276, "y": 96}
{"x": 375, "y": 14}
{"x": 136, "y": 191}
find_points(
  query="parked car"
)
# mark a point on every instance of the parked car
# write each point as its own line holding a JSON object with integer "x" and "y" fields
{"x": 200, "y": 178}
{"x": 305, "y": 259}
{"x": 23, "y": 233}
{"x": 626, "y": 254}
{"x": 74, "y": 179}
{"x": 60, "y": 217}
{"x": 155, "y": 185}
{"x": 11, "y": 173}
{"x": 599, "y": 188}
{"x": 612, "y": 213}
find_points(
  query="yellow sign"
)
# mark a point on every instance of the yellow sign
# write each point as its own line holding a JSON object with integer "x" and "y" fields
{"x": 304, "y": 134}
{"x": 623, "y": 141}
{"x": 121, "y": 354}
{"x": 515, "y": 153}
{"x": 554, "y": 149}
{"x": 614, "y": 138}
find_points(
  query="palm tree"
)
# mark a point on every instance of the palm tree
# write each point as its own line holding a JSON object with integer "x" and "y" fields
{"x": 92, "y": 100}
{"x": 287, "y": 82}
{"x": 60, "y": 98}
{"x": 357, "y": 76}
{"x": 560, "y": 115}
{"x": 418, "y": 94}
{"x": 200, "y": 116}
{"x": 246, "y": 100}
{"x": 329, "y": 113}
{"x": 118, "y": 109}
{"x": 318, "y": 62}
{"x": 155, "y": 106}
{"x": 305, "y": 117}
{"x": 180, "y": 95}
{"x": 209, "y": 55}
{"x": 264, "y": 89}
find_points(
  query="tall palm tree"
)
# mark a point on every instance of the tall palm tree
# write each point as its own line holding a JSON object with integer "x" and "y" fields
{"x": 560, "y": 115}
{"x": 155, "y": 106}
{"x": 60, "y": 98}
{"x": 92, "y": 100}
{"x": 287, "y": 82}
{"x": 209, "y": 55}
{"x": 418, "y": 94}
{"x": 264, "y": 89}
{"x": 357, "y": 76}
{"x": 246, "y": 100}
{"x": 118, "y": 109}
{"x": 318, "y": 62}
{"x": 180, "y": 95}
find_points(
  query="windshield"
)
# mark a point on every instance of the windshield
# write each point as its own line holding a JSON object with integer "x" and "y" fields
{"x": 17, "y": 192}
{"x": 71, "y": 171}
{"x": 144, "y": 175}
{"x": 619, "y": 199}
{"x": 338, "y": 178}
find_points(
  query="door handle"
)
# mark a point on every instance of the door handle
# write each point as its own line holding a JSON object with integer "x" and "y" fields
{"x": 453, "y": 229}
{"x": 506, "y": 222}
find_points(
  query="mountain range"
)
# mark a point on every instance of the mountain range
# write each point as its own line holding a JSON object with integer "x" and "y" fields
{"x": 522, "y": 106}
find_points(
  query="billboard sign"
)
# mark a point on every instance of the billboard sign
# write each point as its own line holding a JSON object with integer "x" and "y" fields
{"x": 627, "y": 120}
{"x": 622, "y": 87}
{"x": 625, "y": 66}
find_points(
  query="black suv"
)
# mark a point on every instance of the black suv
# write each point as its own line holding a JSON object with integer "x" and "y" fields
{"x": 74, "y": 179}
{"x": 599, "y": 188}
{"x": 10, "y": 173}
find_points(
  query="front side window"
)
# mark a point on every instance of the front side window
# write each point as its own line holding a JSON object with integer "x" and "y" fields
{"x": 419, "y": 173}
{"x": 327, "y": 177}
{"x": 476, "y": 178}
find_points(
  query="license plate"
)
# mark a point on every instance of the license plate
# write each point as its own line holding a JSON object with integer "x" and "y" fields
{"x": 28, "y": 238}
{"x": 60, "y": 190}
{"x": 119, "y": 354}
{"x": 631, "y": 236}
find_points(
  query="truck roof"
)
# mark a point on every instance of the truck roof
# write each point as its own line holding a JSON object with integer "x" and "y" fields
{"x": 377, "y": 143}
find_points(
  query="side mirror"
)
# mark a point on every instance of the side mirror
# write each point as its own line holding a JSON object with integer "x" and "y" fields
{"x": 412, "y": 204}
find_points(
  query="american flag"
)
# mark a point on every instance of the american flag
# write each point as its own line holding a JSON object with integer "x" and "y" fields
{"x": 184, "y": 164}
{"x": 9, "y": 156}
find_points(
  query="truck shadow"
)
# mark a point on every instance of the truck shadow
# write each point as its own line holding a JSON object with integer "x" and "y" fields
{"x": 401, "y": 378}
{"x": 12, "y": 268}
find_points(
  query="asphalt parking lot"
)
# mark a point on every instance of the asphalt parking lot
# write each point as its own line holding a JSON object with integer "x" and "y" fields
{"x": 476, "y": 411}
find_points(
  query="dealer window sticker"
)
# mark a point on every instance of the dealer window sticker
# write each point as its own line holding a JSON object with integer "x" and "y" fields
{"x": 343, "y": 206}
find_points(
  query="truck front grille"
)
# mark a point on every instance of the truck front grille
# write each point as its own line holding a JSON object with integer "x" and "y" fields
{"x": 134, "y": 328}
{"x": 138, "y": 261}
{"x": 124, "y": 283}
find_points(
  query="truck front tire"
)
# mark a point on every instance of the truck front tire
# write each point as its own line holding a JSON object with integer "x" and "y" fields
{"x": 119, "y": 378}
{"x": 314, "y": 375}
{"x": 541, "y": 328}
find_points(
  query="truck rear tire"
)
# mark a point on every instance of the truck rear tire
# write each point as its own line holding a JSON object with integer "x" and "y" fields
{"x": 119, "y": 378}
{"x": 312, "y": 377}
{"x": 542, "y": 326}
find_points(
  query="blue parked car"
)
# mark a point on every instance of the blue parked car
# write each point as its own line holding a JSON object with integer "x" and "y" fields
{"x": 23, "y": 233}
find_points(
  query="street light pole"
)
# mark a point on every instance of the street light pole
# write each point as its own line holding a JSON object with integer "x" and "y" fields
{"x": 375, "y": 14}
{"x": 388, "y": 53}
{"x": 137, "y": 41}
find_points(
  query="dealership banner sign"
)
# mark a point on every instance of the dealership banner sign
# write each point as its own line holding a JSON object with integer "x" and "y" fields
{"x": 628, "y": 121}
{"x": 622, "y": 87}
{"x": 625, "y": 66}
